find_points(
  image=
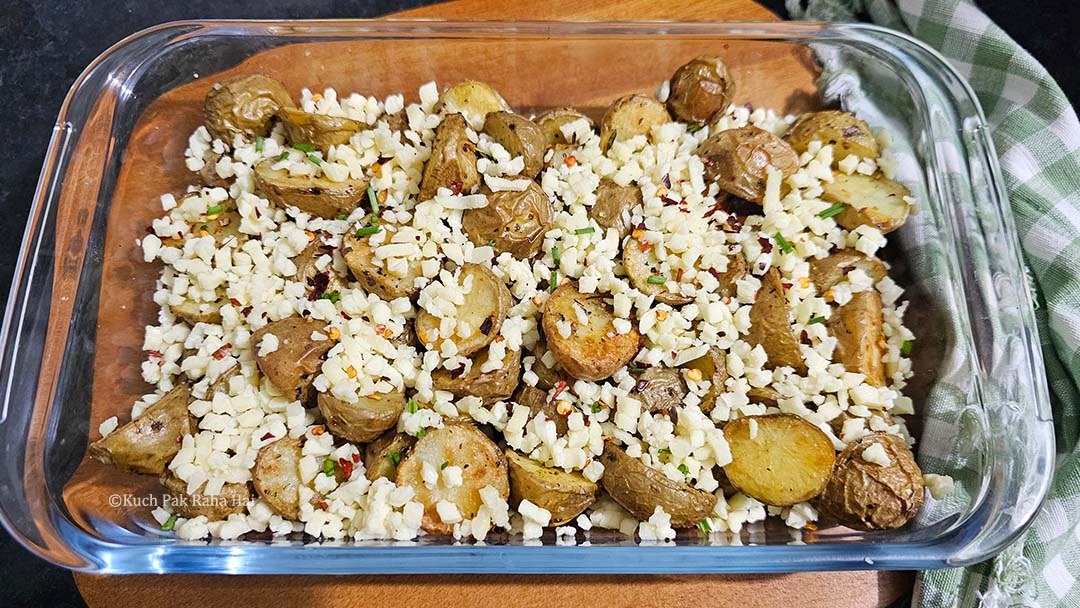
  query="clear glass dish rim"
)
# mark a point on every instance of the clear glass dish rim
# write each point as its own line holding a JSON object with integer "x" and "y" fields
{"x": 87, "y": 553}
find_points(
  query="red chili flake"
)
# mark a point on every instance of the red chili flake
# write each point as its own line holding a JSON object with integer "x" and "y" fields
{"x": 455, "y": 187}
{"x": 734, "y": 222}
{"x": 645, "y": 247}
{"x": 674, "y": 355}
{"x": 258, "y": 213}
{"x": 346, "y": 316}
{"x": 641, "y": 226}
{"x": 220, "y": 353}
{"x": 356, "y": 457}
{"x": 346, "y": 467}
{"x": 668, "y": 201}
{"x": 234, "y": 301}
{"x": 323, "y": 505}
{"x": 712, "y": 210}
{"x": 716, "y": 274}
{"x": 380, "y": 328}
{"x": 266, "y": 436}
{"x": 559, "y": 388}
{"x": 683, "y": 210}
{"x": 667, "y": 181}
{"x": 641, "y": 385}
{"x": 766, "y": 244}
{"x": 786, "y": 284}
{"x": 804, "y": 337}
{"x": 154, "y": 353}
{"x": 246, "y": 311}
{"x": 319, "y": 284}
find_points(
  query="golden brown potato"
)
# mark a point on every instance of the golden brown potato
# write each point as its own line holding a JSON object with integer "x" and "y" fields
{"x": 641, "y": 266}
{"x": 382, "y": 456}
{"x": 614, "y": 204}
{"x": 197, "y": 312}
{"x": 842, "y": 130}
{"x": 461, "y": 445}
{"x": 318, "y": 282}
{"x": 293, "y": 366}
{"x": 453, "y": 160}
{"x": 737, "y": 268}
{"x": 552, "y": 121}
{"x": 364, "y": 420}
{"x": 640, "y": 489}
{"x": 496, "y": 385}
{"x": 360, "y": 257}
{"x": 858, "y": 327}
{"x": 147, "y": 444}
{"x": 538, "y": 402}
{"x": 398, "y": 122}
{"x": 660, "y": 389}
{"x": 593, "y": 350}
{"x": 276, "y": 476}
{"x": 233, "y": 498}
{"x": 867, "y": 496}
{"x": 221, "y": 383}
{"x": 736, "y": 159}
{"x": 484, "y": 310}
{"x": 520, "y": 136}
{"x": 565, "y": 495}
{"x": 770, "y": 326}
{"x": 318, "y": 130}
{"x": 630, "y": 116}
{"x": 547, "y": 377}
{"x": 779, "y": 459}
{"x": 310, "y": 194}
{"x": 512, "y": 221}
{"x": 765, "y": 395}
{"x": 700, "y": 88}
{"x": 830, "y": 270}
{"x": 713, "y": 368}
{"x": 244, "y": 105}
{"x": 870, "y": 201}
{"x": 472, "y": 99}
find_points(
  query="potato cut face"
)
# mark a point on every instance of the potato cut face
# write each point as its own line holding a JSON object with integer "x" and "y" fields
{"x": 319, "y": 130}
{"x": 629, "y": 117}
{"x": 233, "y": 498}
{"x": 846, "y": 133}
{"x": 830, "y": 270}
{"x": 472, "y": 99}
{"x": 311, "y": 194}
{"x": 520, "y": 137}
{"x": 382, "y": 456}
{"x": 495, "y": 385}
{"x": 364, "y": 420}
{"x": 640, "y": 266}
{"x": 770, "y": 326}
{"x": 453, "y": 160}
{"x": 276, "y": 476}
{"x": 858, "y": 327}
{"x": 147, "y": 444}
{"x": 779, "y": 459}
{"x": 593, "y": 350}
{"x": 359, "y": 256}
{"x": 484, "y": 310}
{"x": 870, "y": 201}
{"x": 552, "y": 122}
{"x": 565, "y": 495}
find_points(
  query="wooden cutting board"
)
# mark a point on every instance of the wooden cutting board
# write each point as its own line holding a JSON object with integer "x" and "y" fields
{"x": 833, "y": 589}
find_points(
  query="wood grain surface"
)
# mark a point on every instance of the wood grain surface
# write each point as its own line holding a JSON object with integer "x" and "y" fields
{"x": 153, "y": 164}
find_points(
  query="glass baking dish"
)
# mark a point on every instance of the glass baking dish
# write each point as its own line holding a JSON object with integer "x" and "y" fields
{"x": 81, "y": 294}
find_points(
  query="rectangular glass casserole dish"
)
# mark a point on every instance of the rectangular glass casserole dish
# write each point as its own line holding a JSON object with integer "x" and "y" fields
{"x": 81, "y": 294}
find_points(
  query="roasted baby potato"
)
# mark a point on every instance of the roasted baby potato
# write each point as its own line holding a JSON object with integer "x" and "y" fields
{"x": 770, "y": 326}
{"x": 870, "y": 201}
{"x": 276, "y": 476}
{"x": 614, "y": 204}
{"x": 520, "y": 136}
{"x": 842, "y": 130}
{"x": 360, "y": 257}
{"x": 319, "y": 130}
{"x": 398, "y": 122}
{"x": 496, "y": 385}
{"x": 472, "y": 99}
{"x": 197, "y": 312}
{"x": 868, "y": 496}
{"x": 552, "y": 121}
{"x": 640, "y": 266}
{"x": 317, "y": 282}
{"x": 233, "y": 498}
{"x": 713, "y": 367}
{"x": 858, "y": 327}
{"x": 660, "y": 389}
{"x": 765, "y": 395}
{"x": 779, "y": 459}
{"x": 592, "y": 350}
{"x": 640, "y": 489}
{"x": 700, "y": 89}
{"x": 208, "y": 175}
{"x": 293, "y": 366}
{"x": 830, "y": 270}
{"x": 147, "y": 444}
{"x": 737, "y": 268}
{"x": 382, "y": 456}
{"x": 484, "y": 310}
{"x": 630, "y": 116}
{"x": 244, "y": 105}
{"x": 364, "y": 420}
{"x": 453, "y": 160}
{"x": 565, "y": 495}
{"x": 736, "y": 159}
{"x": 461, "y": 445}
{"x": 513, "y": 221}
{"x": 310, "y": 194}
{"x": 537, "y": 401}
{"x": 547, "y": 377}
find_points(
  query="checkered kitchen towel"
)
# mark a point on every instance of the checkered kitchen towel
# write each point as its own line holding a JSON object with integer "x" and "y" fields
{"x": 1037, "y": 136}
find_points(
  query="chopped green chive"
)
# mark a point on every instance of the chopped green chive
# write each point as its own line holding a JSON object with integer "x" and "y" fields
{"x": 663, "y": 451}
{"x": 637, "y": 370}
{"x": 333, "y": 296}
{"x": 553, "y": 282}
{"x": 816, "y": 320}
{"x": 596, "y": 408}
{"x": 656, "y": 279}
{"x": 258, "y": 143}
{"x": 588, "y": 230}
{"x": 705, "y": 526}
{"x": 905, "y": 348}
{"x": 342, "y": 216}
{"x": 836, "y": 209}
{"x": 215, "y": 209}
{"x": 783, "y": 243}
{"x": 395, "y": 457}
{"x": 169, "y": 523}
{"x": 314, "y": 159}
{"x": 283, "y": 155}
{"x": 410, "y": 406}
{"x": 444, "y": 464}
{"x": 328, "y": 467}
{"x": 491, "y": 242}
{"x": 368, "y": 230}
{"x": 373, "y": 200}
{"x": 685, "y": 470}
{"x": 204, "y": 227}
{"x": 420, "y": 434}
{"x": 304, "y": 147}
{"x": 690, "y": 128}
{"x": 555, "y": 258}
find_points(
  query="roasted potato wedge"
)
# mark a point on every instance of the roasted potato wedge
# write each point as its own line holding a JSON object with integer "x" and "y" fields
{"x": 737, "y": 159}
{"x": 244, "y": 105}
{"x": 319, "y": 130}
{"x": 472, "y": 99}
{"x": 520, "y": 136}
{"x": 565, "y": 495}
{"x": 537, "y": 401}
{"x": 317, "y": 282}
{"x": 842, "y": 130}
{"x": 197, "y": 312}
{"x": 614, "y": 204}
{"x": 830, "y": 270}
{"x": 492, "y": 386}
{"x": 364, "y": 420}
{"x": 276, "y": 476}
{"x": 293, "y": 366}
{"x": 147, "y": 444}
{"x": 552, "y": 121}
{"x": 640, "y": 266}
{"x": 868, "y": 496}
{"x": 779, "y": 459}
{"x": 700, "y": 88}
{"x": 484, "y": 310}
{"x": 870, "y": 201}
{"x": 310, "y": 194}
{"x": 462, "y": 445}
{"x": 233, "y": 498}
{"x": 453, "y": 160}
{"x": 593, "y": 350}
{"x": 382, "y": 456}
{"x": 630, "y": 116}
{"x": 660, "y": 389}
{"x": 713, "y": 367}
{"x": 858, "y": 327}
{"x": 640, "y": 489}
{"x": 360, "y": 257}
{"x": 770, "y": 326}
{"x": 513, "y": 221}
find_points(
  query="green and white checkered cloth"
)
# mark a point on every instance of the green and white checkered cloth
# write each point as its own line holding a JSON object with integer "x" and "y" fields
{"x": 1037, "y": 136}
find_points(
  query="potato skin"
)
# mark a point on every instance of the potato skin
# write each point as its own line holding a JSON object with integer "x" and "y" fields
{"x": 640, "y": 489}
{"x": 146, "y": 444}
{"x": 867, "y": 496}
{"x": 594, "y": 350}
{"x": 496, "y": 385}
{"x": 870, "y": 201}
{"x": 788, "y": 461}
{"x": 314, "y": 195}
{"x": 232, "y": 499}
{"x": 485, "y": 309}
{"x": 293, "y": 366}
{"x": 373, "y": 278}
{"x": 244, "y": 105}
{"x": 513, "y": 221}
{"x": 846, "y": 133}
{"x": 737, "y": 268}
{"x": 547, "y": 377}
{"x": 193, "y": 313}
{"x": 770, "y": 327}
{"x": 713, "y": 367}
{"x": 565, "y": 495}
{"x": 520, "y": 136}
{"x": 364, "y": 420}
{"x": 319, "y": 130}
{"x": 614, "y": 204}
{"x": 552, "y": 121}
{"x": 537, "y": 401}
{"x": 629, "y": 116}
{"x": 317, "y": 282}
{"x": 736, "y": 159}
{"x": 700, "y": 88}
{"x": 276, "y": 476}
{"x": 640, "y": 265}
{"x": 453, "y": 160}
{"x": 830, "y": 270}
{"x": 858, "y": 327}
{"x": 660, "y": 389}
{"x": 377, "y": 454}
{"x": 472, "y": 99}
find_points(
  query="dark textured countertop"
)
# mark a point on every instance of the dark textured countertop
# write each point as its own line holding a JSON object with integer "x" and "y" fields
{"x": 44, "y": 45}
